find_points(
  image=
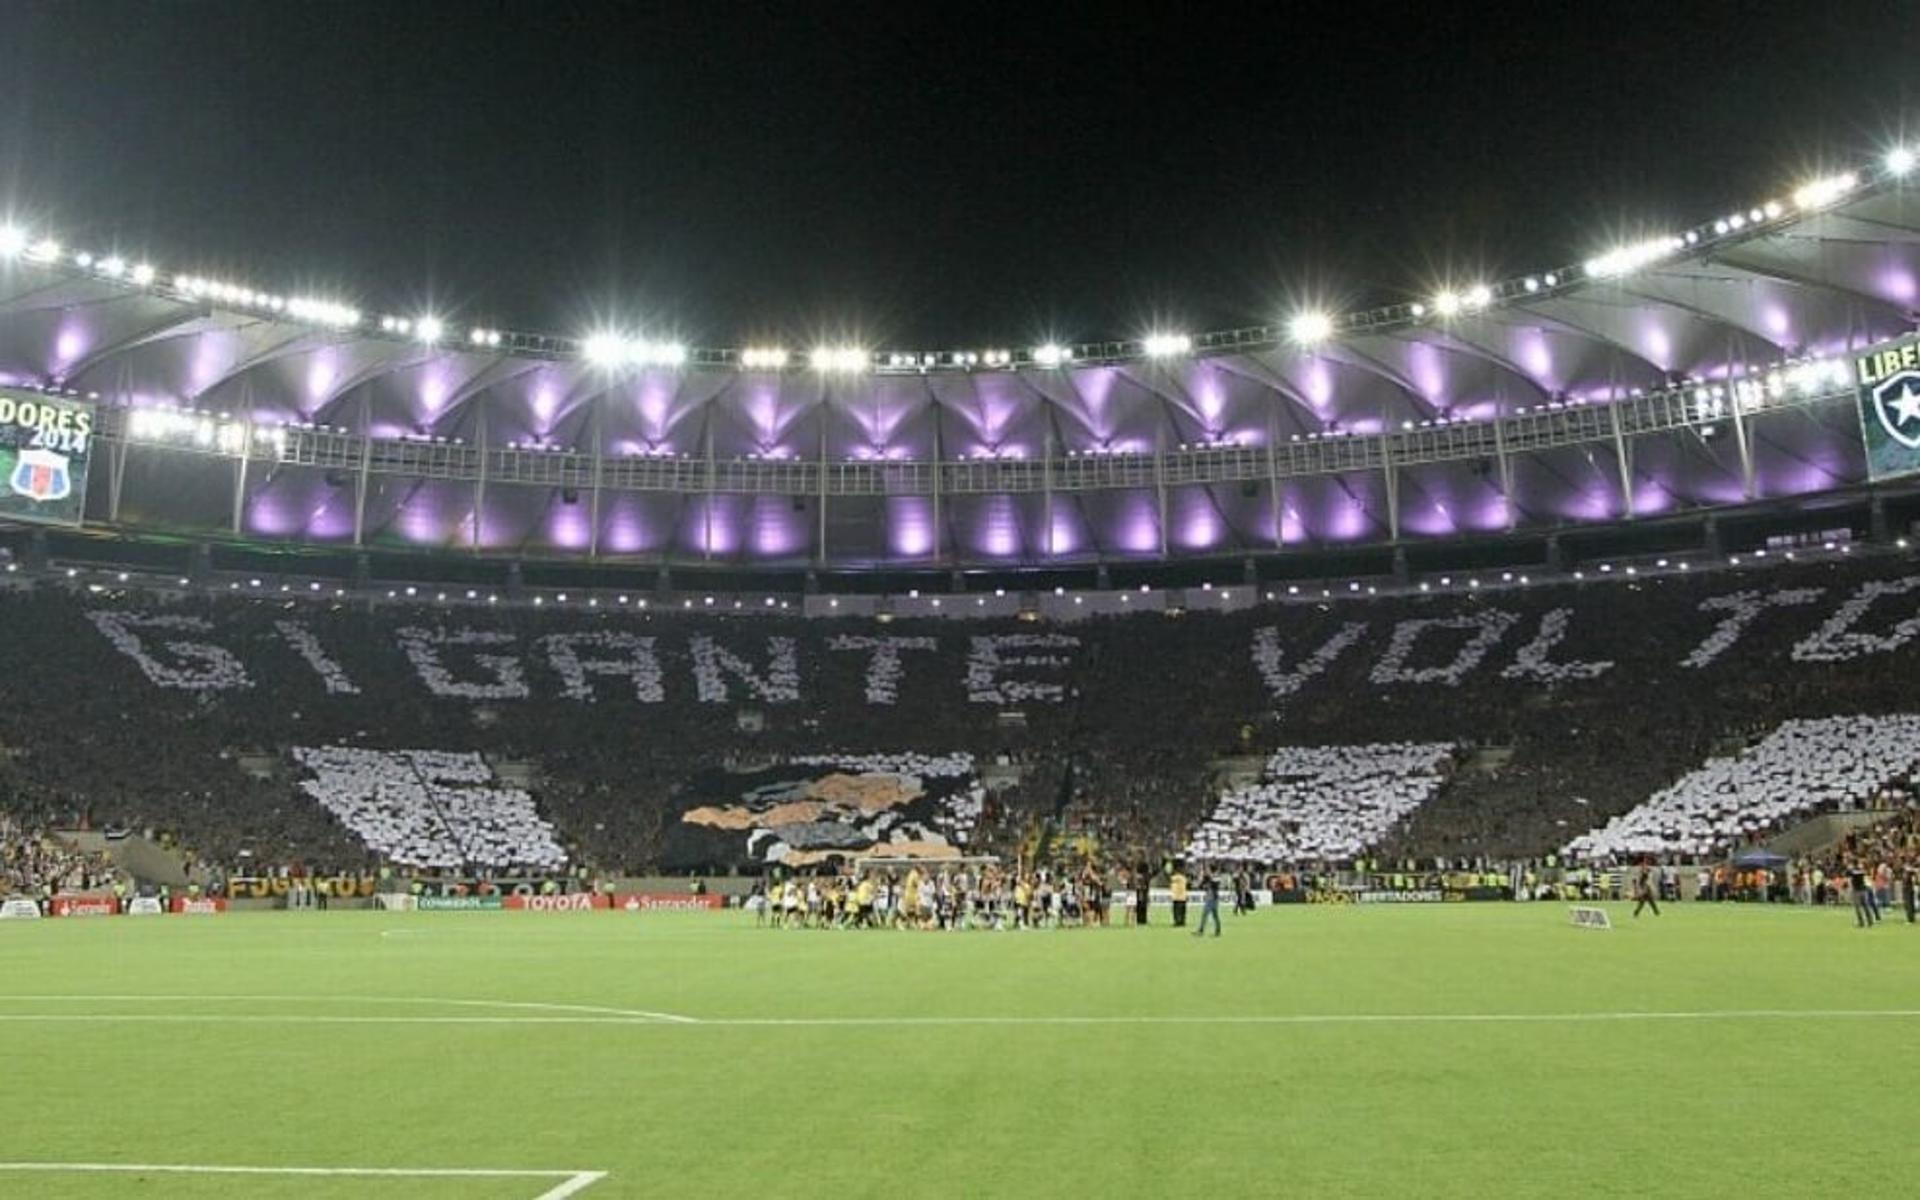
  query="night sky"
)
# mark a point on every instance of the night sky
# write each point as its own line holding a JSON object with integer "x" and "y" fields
{"x": 912, "y": 174}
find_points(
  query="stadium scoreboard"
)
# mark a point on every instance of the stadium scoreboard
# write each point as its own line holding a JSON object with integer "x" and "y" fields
{"x": 1888, "y": 389}
{"x": 45, "y": 444}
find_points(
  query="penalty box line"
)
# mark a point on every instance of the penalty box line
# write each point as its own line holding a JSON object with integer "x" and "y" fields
{"x": 571, "y": 1183}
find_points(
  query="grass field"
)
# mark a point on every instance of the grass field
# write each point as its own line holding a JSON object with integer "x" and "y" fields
{"x": 1465, "y": 1050}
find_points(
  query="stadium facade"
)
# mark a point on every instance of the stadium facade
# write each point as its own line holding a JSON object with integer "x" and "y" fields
{"x": 1700, "y": 375}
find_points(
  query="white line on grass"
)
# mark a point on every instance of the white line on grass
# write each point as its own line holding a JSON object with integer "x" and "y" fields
{"x": 1746, "y": 1014}
{"x": 571, "y": 1182}
{"x": 581, "y": 1181}
{"x": 587, "y": 1015}
{"x": 630, "y": 1014}
{"x": 301, "y": 1019}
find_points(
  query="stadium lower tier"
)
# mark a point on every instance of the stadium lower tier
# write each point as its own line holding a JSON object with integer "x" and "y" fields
{"x": 1631, "y": 717}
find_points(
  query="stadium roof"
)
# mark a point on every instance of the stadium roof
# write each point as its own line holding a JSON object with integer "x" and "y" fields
{"x": 1487, "y": 407}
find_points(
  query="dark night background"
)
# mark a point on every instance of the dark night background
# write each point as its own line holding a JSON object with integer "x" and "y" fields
{"x": 916, "y": 174}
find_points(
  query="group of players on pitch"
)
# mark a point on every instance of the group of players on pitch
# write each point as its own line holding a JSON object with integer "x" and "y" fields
{"x": 991, "y": 898}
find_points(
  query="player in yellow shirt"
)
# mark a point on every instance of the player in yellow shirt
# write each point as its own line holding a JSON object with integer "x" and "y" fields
{"x": 863, "y": 903}
{"x": 910, "y": 898}
{"x": 1177, "y": 885}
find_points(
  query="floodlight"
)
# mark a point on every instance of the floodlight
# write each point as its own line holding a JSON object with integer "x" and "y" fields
{"x": 1900, "y": 160}
{"x": 604, "y": 349}
{"x": 1309, "y": 327}
{"x": 838, "y": 358}
{"x": 1819, "y": 193}
{"x": 429, "y": 329}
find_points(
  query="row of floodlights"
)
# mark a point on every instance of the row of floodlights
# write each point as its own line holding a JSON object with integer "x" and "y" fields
{"x": 1225, "y": 595}
{"x": 187, "y": 427}
{"x": 611, "y": 350}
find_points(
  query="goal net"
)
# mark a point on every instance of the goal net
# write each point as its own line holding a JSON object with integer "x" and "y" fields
{"x": 1587, "y": 917}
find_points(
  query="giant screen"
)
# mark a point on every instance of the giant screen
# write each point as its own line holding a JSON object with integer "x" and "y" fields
{"x": 45, "y": 442}
{"x": 1889, "y": 392}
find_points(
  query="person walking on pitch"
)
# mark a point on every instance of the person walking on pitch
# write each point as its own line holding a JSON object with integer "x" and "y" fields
{"x": 1209, "y": 904}
{"x": 1643, "y": 892}
{"x": 1866, "y": 914}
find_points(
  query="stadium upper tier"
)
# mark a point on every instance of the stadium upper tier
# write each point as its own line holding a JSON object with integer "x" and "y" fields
{"x": 1704, "y": 369}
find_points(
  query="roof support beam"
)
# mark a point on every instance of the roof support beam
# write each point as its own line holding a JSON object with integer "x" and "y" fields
{"x": 366, "y": 472}
{"x": 1391, "y": 477}
{"x": 1622, "y": 456}
{"x": 480, "y": 478}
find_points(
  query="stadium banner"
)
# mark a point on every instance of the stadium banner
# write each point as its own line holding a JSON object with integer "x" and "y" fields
{"x": 83, "y": 906}
{"x": 562, "y": 902}
{"x": 19, "y": 909}
{"x": 1430, "y": 895}
{"x": 668, "y": 902}
{"x": 1888, "y": 379}
{"x": 817, "y": 811}
{"x": 1410, "y": 896}
{"x": 143, "y": 906}
{"x": 45, "y": 443}
{"x": 262, "y": 887}
{"x": 199, "y": 906}
{"x": 460, "y": 903}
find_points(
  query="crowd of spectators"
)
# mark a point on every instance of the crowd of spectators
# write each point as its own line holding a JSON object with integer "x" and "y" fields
{"x": 34, "y": 862}
{"x": 1887, "y": 852}
{"x": 1322, "y": 804}
{"x": 430, "y": 808}
{"x": 1804, "y": 766}
{"x": 1559, "y": 724}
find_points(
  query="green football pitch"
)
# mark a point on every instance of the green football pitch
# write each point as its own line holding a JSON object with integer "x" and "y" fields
{"x": 1463, "y": 1050}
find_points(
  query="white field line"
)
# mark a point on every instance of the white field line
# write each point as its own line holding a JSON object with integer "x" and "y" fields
{"x": 581, "y": 1181}
{"x": 298, "y": 1019}
{"x": 628, "y": 1014}
{"x": 590, "y": 1015}
{"x": 1746, "y": 1014}
{"x": 571, "y": 1182}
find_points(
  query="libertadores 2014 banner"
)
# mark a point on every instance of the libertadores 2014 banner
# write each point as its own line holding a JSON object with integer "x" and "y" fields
{"x": 1888, "y": 376}
{"x": 45, "y": 444}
